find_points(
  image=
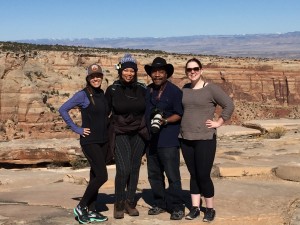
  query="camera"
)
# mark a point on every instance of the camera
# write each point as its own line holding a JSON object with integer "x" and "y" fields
{"x": 156, "y": 118}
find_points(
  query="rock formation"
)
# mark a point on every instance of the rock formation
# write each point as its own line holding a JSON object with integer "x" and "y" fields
{"x": 34, "y": 84}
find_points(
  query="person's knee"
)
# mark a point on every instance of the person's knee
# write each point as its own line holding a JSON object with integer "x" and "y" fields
{"x": 136, "y": 166}
{"x": 156, "y": 176}
{"x": 204, "y": 179}
{"x": 173, "y": 174}
{"x": 171, "y": 157}
{"x": 123, "y": 173}
{"x": 100, "y": 180}
{"x": 176, "y": 184}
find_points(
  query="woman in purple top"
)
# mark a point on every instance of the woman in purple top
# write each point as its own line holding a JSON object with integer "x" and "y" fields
{"x": 93, "y": 139}
{"x": 198, "y": 134}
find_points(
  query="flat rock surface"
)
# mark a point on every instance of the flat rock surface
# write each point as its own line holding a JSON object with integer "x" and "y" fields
{"x": 247, "y": 188}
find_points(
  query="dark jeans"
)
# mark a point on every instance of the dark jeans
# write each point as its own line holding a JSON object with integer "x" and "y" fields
{"x": 199, "y": 157}
{"x": 95, "y": 154}
{"x": 166, "y": 160}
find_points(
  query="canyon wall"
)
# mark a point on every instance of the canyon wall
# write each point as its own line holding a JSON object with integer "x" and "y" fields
{"x": 34, "y": 85}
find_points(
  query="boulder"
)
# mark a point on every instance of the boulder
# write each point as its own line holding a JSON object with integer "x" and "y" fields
{"x": 288, "y": 172}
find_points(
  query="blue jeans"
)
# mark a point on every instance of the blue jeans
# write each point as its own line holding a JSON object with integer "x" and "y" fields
{"x": 160, "y": 161}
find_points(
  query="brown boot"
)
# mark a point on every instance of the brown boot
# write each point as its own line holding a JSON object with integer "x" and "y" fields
{"x": 130, "y": 208}
{"x": 119, "y": 210}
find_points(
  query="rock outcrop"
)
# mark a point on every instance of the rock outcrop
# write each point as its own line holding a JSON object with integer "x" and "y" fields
{"x": 34, "y": 85}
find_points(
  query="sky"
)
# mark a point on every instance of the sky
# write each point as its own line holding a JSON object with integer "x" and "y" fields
{"x": 71, "y": 19}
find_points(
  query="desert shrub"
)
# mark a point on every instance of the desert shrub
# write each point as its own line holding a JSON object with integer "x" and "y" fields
{"x": 54, "y": 165}
{"x": 28, "y": 74}
{"x": 79, "y": 163}
{"x": 264, "y": 68}
{"x": 66, "y": 94}
{"x": 2, "y": 127}
{"x": 52, "y": 109}
{"x": 275, "y": 133}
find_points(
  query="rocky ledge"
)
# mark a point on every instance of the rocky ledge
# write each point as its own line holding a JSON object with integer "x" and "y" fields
{"x": 257, "y": 182}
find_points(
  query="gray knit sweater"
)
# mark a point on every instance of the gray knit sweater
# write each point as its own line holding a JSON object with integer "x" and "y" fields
{"x": 199, "y": 106}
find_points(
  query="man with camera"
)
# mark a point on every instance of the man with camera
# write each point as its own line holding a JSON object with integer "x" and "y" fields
{"x": 163, "y": 115}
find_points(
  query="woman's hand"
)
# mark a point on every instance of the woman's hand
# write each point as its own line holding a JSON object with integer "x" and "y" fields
{"x": 86, "y": 132}
{"x": 214, "y": 124}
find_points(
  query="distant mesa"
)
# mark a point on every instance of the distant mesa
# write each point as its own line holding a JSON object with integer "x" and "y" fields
{"x": 285, "y": 45}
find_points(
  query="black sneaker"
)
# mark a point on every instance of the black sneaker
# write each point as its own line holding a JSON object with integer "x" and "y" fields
{"x": 82, "y": 214}
{"x": 177, "y": 215}
{"x": 194, "y": 213}
{"x": 96, "y": 216}
{"x": 155, "y": 210}
{"x": 209, "y": 215}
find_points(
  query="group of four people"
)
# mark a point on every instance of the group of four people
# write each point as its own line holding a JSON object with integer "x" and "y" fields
{"x": 130, "y": 119}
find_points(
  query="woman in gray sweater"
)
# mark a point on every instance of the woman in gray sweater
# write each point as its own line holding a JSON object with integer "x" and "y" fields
{"x": 198, "y": 135}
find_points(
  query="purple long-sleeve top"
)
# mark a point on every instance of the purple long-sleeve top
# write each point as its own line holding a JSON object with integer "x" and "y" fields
{"x": 79, "y": 99}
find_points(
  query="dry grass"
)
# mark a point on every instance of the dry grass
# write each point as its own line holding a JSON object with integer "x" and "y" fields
{"x": 79, "y": 163}
{"x": 275, "y": 133}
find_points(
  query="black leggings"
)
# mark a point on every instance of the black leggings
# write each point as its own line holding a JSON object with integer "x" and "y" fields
{"x": 95, "y": 154}
{"x": 199, "y": 156}
{"x": 128, "y": 154}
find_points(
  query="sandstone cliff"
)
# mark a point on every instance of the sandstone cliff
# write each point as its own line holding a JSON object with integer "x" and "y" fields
{"x": 33, "y": 85}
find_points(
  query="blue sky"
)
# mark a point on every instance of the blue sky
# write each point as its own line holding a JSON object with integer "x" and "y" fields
{"x": 60, "y": 19}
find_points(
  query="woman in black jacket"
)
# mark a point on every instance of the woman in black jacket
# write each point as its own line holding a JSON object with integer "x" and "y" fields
{"x": 126, "y": 100}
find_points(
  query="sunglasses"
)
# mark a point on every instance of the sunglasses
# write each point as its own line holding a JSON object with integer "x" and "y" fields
{"x": 196, "y": 69}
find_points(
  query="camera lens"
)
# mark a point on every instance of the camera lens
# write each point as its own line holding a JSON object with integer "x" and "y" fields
{"x": 155, "y": 123}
